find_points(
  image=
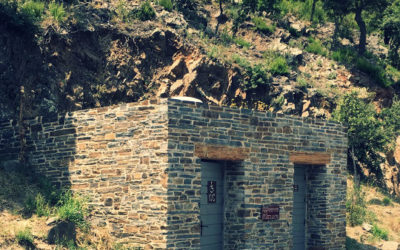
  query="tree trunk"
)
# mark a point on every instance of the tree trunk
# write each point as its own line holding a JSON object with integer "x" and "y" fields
{"x": 313, "y": 10}
{"x": 363, "y": 31}
{"x": 220, "y": 8}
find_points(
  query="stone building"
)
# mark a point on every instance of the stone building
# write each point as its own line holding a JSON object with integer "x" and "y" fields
{"x": 170, "y": 174}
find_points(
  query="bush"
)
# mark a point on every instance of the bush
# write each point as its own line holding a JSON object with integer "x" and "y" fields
{"x": 57, "y": 11}
{"x": 262, "y": 26}
{"x": 167, "y": 4}
{"x": 25, "y": 237}
{"x": 344, "y": 55}
{"x": 33, "y": 9}
{"x": 315, "y": 46}
{"x": 379, "y": 233}
{"x": 386, "y": 201}
{"x": 256, "y": 77}
{"x": 355, "y": 206}
{"x": 376, "y": 72}
{"x": 242, "y": 43}
{"x": 41, "y": 206}
{"x": 73, "y": 209}
{"x": 279, "y": 66}
{"x": 145, "y": 12}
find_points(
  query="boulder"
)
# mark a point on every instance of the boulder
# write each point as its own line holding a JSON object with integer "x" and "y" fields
{"x": 63, "y": 232}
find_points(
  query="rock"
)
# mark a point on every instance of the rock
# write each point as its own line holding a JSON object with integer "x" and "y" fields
{"x": 51, "y": 220}
{"x": 367, "y": 227}
{"x": 389, "y": 245}
{"x": 306, "y": 105}
{"x": 396, "y": 153}
{"x": 62, "y": 232}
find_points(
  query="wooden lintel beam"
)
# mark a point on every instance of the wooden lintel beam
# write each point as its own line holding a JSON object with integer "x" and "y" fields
{"x": 313, "y": 158}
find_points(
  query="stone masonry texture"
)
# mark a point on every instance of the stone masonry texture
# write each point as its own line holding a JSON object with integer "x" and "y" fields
{"x": 140, "y": 166}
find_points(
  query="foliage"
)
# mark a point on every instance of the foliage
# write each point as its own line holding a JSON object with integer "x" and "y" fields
{"x": 41, "y": 206}
{"x": 57, "y": 11}
{"x": 242, "y": 43}
{"x": 379, "y": 233}
{"x": 391, "y": 31}
{"x": 225, "y": 38}
{"x": 167, "y": 4}
{"x": 386, "y": 201}
{"x": 315, "y": 46}
{"x": 390, "y": 117}
{"x": 145, "y": 12}
{"x": 262, "y": 26}
{"x": 374, "y": 70}
{"x": 33, "y": 9}
{"x": 24, "y": 237}
{"x": 279, "y": 66}
{"x": 344, "y": 55}
{"x": 355, "y": 206}
{"x": 302, "y": 9}
{"x": 72, "y": 208}
{"x": 365, "y": 132}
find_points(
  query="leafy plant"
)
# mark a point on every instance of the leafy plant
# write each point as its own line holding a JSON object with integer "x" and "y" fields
{"x": 379, "y": 233}
{"x": 241, "y": 42}
{"x": 57, "y": 11}
{"x": 33, "y": 9}
{"x": 24, "y": 237}
{"x": 145, "y": 12}
{"x": 279, "y": 66}
{"x": 355, "y": 206}
{"x": 315, "y": 46}
{"x": 41, "y": 206}
{"x": 375, "y": 71}
{"x": 167, "y": 4}
{"x": 72, "y": 208}
{"x": 262, "y": 26}
{"x": 344, "y": 55}
{"x": 386, "y": 201}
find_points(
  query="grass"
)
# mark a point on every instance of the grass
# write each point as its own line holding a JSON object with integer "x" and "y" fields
{"x": 242, "y": 43}
{"x": 57, "y": 11}
{"x": 167, "y": 4}
{"x": 374, "y": 70}
{"x": 33, "y": 9}
{"x": 262, "y": 27}
{"x": 379, "y": 233}
{"x": 279, "y": 66}
{"x": 315, "y": 46}
{"x": 386, "y": 201}
{"x": 24, "y": 237}
{"x": 72, "y": 208}
{"x": 344, "y": 55}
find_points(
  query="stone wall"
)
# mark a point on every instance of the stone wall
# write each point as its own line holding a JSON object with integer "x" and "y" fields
{"x": 261, "y": 145}
{"x": 114, "y": 155}
{"x": 140, "y": 164}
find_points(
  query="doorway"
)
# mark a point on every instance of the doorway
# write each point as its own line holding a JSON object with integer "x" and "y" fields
{"x": 299, "y": 207}
{"x": 212, "y": 205}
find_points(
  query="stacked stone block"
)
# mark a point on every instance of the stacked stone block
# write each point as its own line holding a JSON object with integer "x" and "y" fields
{"x": 140, "y": 165}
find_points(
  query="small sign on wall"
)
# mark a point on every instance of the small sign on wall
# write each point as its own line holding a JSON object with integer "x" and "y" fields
{"x": 270, "y": 212}
{"x": 212, "y": 191}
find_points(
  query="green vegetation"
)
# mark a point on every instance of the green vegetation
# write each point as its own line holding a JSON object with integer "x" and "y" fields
{"x": 72, "y": 208}
{"x": 375, "y": 71}
{"x": 315, "y": 46}
{"x": 167, "y": 4}
{"x": 379, "y": 233}
{"x": 279, "y": 66}
{"x": 25, "y": 237}
{"x": 145, "y": 12}
{"x": 242, "y": 43}
{"x": 356, "y": 208}
{"x": 386, "y": 201}
{"x": 33, "y": 9}
{"x": 57, "y": 11}
{"x": 344, "y": 55}
{"x": 262, "y": 26}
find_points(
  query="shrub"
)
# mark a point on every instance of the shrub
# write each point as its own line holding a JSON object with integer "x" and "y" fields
{"x": 72, "y": 208}
{"x": 375, "y": 71}
{"x": 145, "y": 12}
{"x": 41, "y": 206}
{"x": 225, "y": 38}
{"x": 379, "y": 233}
{"x": 242, "y": 43}
{"x": 257, "y": 77}
{"x": 33, "y": 9}
{"x": 344, "y": 55}
{"x": 279, "y": 66}
{"x": 315, "y": 46}
{"x": 57, "y": 11}
{"x": 355, "y": 206}
{"x": 386, "y": 201}
{"x": 262, "y": 26}
{"x": 167, "y": 4}
{"x": 24, "y": 237}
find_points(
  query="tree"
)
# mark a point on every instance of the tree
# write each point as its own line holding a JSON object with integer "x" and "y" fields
{"x": 365, "y": 132}
{"x": 391, "y": 32}
{"x": 340, "y": 8}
